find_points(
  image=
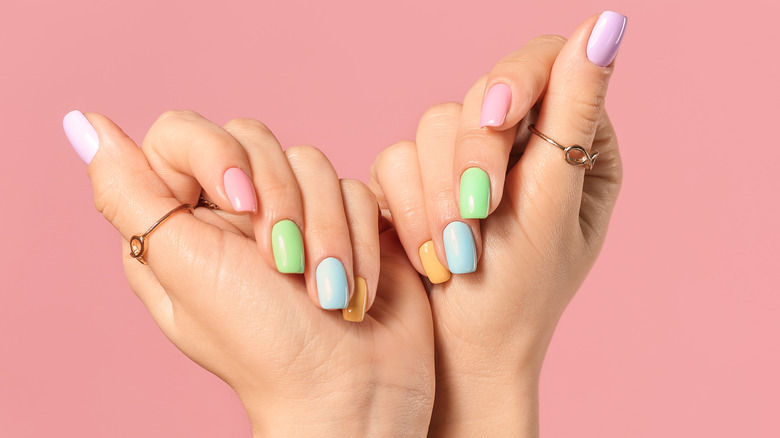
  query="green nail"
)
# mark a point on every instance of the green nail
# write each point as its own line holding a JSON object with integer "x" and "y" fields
{"x": 288, "y": 247}
{"x": 474, "y": 194}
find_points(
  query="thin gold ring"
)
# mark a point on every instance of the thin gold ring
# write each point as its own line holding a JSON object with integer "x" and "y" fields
{"x": 583, "y": 158}
{"x": 138, "y": 243}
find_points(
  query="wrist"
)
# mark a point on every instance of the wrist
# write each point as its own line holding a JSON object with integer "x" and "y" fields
{"x": 389, "y": 412}
{"x": 478, "y": 404}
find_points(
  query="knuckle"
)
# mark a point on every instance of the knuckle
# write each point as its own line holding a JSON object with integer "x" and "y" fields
{"x": 443, "y": 112}
{"x": 587, "y": 110}
{"x": 400, "y": 152}
{"x": 304, "y": 152}
{"x": 177, "y": 116}
{"x": 555, "y": 40}
{"x": 246, "y": 125}
{"x": 472, "y": 137}
{"x": 357, "y": 190}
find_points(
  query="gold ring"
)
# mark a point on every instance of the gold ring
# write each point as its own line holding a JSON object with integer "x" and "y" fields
{"x": 583, "y": 158}
{"x": 138, "y": 243}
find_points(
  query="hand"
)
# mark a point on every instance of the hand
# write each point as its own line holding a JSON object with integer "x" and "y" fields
{"x": 492, "y": 327}
{"x": 219, "y": 296}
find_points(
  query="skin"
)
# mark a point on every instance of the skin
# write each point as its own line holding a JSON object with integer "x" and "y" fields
{"x": 492, "y": 327}
{"x": 299, "y": 370}
{"x": 292, "y": 363}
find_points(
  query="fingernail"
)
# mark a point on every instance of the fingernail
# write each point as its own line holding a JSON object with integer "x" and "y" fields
{"x": 474, "y": 194}
{"x": 287, "y": 246}
{"x": 460, "y": 248}
{"x": 495, "y": 105}
{"x": 434, "y": 270}
{"x": 240, "y": 190}
{"x": 332, "y": 285}
{"x": 606, "y": 37}
{"x": 357, "y": 305}
{"x": 81, "y": 134}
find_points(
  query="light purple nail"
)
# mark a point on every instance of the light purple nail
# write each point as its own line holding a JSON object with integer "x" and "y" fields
{"x": 81, "y": 134}
{"x": 606, "y": 37}
{"x": 495, "y": 106}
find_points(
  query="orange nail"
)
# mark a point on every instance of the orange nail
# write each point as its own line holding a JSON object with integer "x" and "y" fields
{"x": 357, "y": 305}
{"x": 435, "y": 271}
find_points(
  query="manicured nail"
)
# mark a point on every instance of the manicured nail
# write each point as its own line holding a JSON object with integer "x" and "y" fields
{"x": 287, "y": 246}
{"x": 474, "y": 194}
{"x": 460, "y": 248}
{"x": 357, "y": 305}
{"x": 81, "y": 134}
{"x": 434, "y": 270}
{"x": 240, "y": 190}
{"x": 495, "y": 106}
{"x": 606, "y": 37}
{"x": 332, "y": 285}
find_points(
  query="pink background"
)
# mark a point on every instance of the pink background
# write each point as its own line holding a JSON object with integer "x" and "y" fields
{"x": 675, "y": 333}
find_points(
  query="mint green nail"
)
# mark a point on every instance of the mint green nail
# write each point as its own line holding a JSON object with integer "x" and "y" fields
{"x": 288, "y": 247}
{"x": 474, "y": 194}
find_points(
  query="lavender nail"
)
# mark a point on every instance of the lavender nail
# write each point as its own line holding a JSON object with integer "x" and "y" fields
{"x": 606, "y": 37}
{"x": 81, "y": 134}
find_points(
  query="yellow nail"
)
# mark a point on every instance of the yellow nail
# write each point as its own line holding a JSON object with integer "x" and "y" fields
{"x": 357, "y": 305}
{"x": 435, "y": 271}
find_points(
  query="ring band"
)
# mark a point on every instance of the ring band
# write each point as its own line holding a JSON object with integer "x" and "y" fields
{"x": 583, "y": 158}
{"x": 138, "y": 243}
{"x": 203, "y": 202}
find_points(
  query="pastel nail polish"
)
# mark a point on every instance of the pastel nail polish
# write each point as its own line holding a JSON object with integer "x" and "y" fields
{"x": 332, "y": 285}
{"x": 81, "y": 134}
{"x": 434, "y": 270}
{"x": 460, "y": 248}
{"x": 495, "y": 105}
{"x": 606, "y": 37}
{"x": 356, "y": 310}
{"x": 474, "y": 194}
{"x": 240, "y": 190}
{"x": 287, "y": 244}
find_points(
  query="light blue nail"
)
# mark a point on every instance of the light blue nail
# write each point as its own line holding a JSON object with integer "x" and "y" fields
{"x": 332, "y": 285}
{"x": 460, "y": 248}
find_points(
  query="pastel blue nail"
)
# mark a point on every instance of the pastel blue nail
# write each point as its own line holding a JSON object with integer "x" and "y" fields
{"x": 460, "y": 248}
{"x": 332, "y": 285}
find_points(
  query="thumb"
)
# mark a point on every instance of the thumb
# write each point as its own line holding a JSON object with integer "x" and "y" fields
{"x": 128, "y": 192}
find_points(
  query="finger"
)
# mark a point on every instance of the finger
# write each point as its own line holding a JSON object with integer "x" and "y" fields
{"x": 456, "y": 241}
{"x": 482, "y": 155}
{"x": 602, "y": 185}
{"x": 516, "y": 82}
{"x": 362, "y": 219}
{"x": 396, "y": 175}
{"x": 570, "y": 114}
{"x": 132, "y": 197}
{"x": 190, "y": 153}
{"x": 277, "y": 226}
{"x": 329, "y": 274}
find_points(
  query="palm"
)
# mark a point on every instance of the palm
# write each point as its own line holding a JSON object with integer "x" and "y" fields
{"x": 258, "y": 329}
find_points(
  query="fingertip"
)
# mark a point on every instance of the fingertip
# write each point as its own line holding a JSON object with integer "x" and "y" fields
{"x": 356, "y": 310}
{"x": 81, "y": 135}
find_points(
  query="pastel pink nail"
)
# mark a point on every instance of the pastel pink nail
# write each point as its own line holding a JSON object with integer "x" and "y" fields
{"x": 81, "y": 134}
{"x": 240, "y": 190}
{"x": 606, "y": 37}
{"x": 495, "y": 106}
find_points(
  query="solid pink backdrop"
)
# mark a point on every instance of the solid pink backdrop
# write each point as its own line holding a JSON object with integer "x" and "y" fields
{"x": 675, "y": 332}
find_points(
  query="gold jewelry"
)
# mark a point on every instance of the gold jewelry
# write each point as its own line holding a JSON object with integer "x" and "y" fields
{"x": 584, "y": 158}
{"x": 203, "y": 202}
{"x": 138, "y": 243}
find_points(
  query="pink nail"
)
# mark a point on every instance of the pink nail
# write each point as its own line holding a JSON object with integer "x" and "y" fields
{"x": 240, "y": 190}
{"x": 81, "y": 134}
{"x": 495, "y": 106}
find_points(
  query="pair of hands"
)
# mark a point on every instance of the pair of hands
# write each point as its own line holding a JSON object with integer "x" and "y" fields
{"x": 221, "y": 283}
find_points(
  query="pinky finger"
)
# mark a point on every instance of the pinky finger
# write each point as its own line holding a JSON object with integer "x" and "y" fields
{"x": 362, "y": 213}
